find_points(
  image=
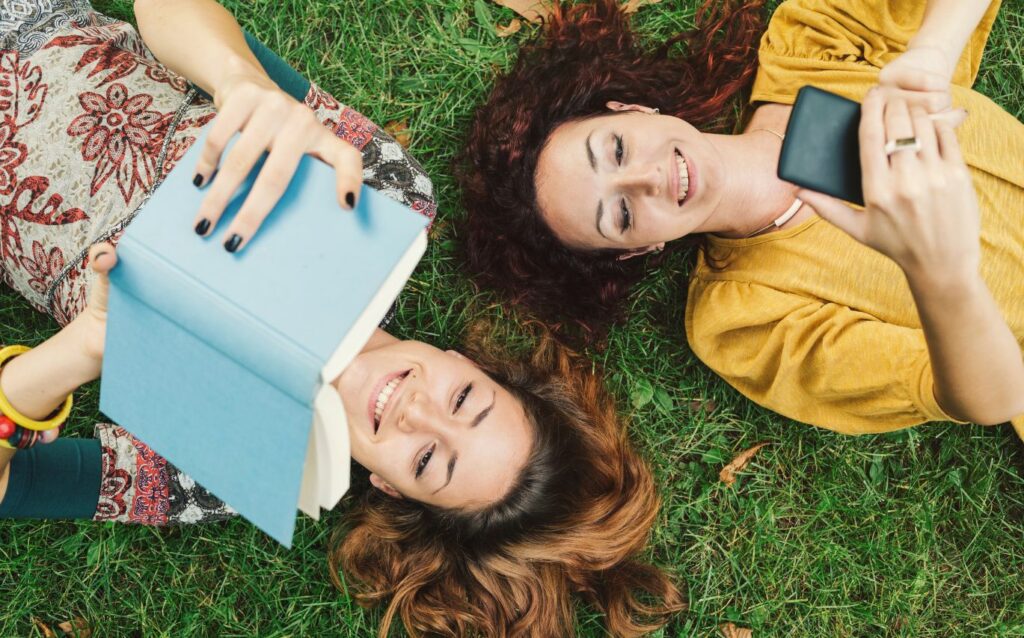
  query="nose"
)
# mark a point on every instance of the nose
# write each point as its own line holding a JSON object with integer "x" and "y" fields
{"x": 640, "y": 179}
{"x": 420, "y": 414}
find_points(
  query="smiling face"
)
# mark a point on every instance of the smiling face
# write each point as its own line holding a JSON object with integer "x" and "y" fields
{"x": 627, "y": 180}
{"x": 431, "y": 426}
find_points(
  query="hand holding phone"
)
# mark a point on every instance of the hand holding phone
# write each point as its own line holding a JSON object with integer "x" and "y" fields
{"x": 920, "y": 210}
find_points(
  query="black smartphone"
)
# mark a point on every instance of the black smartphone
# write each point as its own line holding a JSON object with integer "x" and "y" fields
{"x": 821, "y": 151}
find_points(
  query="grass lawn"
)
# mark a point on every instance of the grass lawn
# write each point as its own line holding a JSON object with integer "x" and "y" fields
{"x": 917, "y": 533}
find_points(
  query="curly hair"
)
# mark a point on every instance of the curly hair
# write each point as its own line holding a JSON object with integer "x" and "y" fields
{"x": 586, "y": 56}
{"x": 574, "y": 525}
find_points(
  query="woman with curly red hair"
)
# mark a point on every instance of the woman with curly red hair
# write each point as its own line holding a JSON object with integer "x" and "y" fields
{"x": 586, "y": 161}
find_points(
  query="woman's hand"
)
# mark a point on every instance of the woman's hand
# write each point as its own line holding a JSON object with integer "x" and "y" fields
{"x": 269, "y": 120}
{"x": 92, "y": 322}
{"x": 920, "y": 207}
{"x": 921, "y": 77}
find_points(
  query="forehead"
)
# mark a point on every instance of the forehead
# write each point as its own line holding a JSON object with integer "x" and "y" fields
{"x": 566, "y": 183}
{"x": 491, "y": 455}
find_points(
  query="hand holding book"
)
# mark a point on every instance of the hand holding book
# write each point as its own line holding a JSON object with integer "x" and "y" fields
{"x": 265, "y": 119}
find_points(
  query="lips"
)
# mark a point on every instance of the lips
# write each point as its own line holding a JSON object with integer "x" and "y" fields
{"x": 381, "y": 397}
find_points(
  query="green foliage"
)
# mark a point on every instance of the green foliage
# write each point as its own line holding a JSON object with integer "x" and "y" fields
{"x": 912, "y": 534}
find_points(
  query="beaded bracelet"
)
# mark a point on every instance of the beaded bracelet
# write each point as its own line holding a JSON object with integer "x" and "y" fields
{"x": 8, "y": 410}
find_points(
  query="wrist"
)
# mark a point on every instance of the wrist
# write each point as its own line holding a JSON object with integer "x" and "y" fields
{"x": 236, "y": 70}
{"x": 948, "y": 52}
{"x": 83, "y": 360}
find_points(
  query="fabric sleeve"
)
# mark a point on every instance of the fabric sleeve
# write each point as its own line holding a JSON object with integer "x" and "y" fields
{"x": 812, "y": 361}
{"x": 841, "y": 46}
{"x": 54, "y": 481}
{"x": 114, "y": 477}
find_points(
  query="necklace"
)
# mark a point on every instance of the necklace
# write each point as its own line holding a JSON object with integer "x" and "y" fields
{"x": 794, "y": 207}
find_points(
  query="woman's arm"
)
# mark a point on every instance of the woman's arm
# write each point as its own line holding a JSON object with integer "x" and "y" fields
{"x": 214, "y": 49}
{"x": 948, "y": 25}
{"x": 921, "y": 211}
{"x": 922, "y": 74}
{"x": 38, "y": 381}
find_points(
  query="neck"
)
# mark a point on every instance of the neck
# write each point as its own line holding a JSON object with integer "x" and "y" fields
{"x": 752, "y": 194}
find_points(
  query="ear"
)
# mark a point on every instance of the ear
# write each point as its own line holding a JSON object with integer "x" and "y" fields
{"x": 612, "y": 105}
{"x": 636, "y": 252}
{"x": 384, "y": 486}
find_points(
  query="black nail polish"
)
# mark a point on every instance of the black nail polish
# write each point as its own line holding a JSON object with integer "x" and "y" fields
{"x": 231, "y": 245}
{"x": 197, "y": 181}
{"x": 202, "y": 226}
{"x": 350, "y": 199}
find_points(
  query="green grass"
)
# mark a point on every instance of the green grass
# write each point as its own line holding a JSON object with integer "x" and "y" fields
{"x": 914, "y": 534}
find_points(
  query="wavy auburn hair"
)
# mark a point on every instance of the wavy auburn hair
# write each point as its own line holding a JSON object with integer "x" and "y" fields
{"x": 574, "y": 525}
{"x": 586, "y": 56}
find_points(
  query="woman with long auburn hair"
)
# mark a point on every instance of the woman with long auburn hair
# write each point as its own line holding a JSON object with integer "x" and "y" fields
{"x": 597, "y": 151}
{"x": 499, "y": 490}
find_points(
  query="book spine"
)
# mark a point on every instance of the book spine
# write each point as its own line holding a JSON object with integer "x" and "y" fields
{"x": 189, "y": 303}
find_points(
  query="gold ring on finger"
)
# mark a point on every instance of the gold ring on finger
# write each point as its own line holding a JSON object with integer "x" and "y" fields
{"x": 902, "y": 144}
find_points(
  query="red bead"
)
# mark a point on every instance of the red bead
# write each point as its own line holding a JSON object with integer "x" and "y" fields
{"x": 6, "y": 427}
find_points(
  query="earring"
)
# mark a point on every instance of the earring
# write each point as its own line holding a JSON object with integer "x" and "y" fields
{"x": 657, "y": 251}
{"x": 657, "y": 111}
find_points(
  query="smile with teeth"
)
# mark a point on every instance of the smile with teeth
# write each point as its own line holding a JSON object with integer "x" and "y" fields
{"x": 684, "y": 177}
{"x": 384, "y": 397}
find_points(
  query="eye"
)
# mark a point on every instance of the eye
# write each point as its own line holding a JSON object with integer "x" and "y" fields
{"x": 424, "y": 460}
{"x": 625, "y": 217}
{"x": 463, "y": 396}
{"x": 618, "y": 150}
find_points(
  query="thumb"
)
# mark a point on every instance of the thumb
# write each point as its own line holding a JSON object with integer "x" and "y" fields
{"x": 836, "y": 212}
{"x": 102, "y": 259}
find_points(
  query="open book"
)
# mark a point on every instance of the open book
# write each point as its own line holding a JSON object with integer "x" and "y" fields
{"x": 223, "y": 363}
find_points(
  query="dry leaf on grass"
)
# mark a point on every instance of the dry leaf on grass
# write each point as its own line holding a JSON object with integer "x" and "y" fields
{"x": 44, "y": 628}
{"x": 400, "y": 131}
{"x": 78, "y": 627}
{"x": 730, "y": 630}
{"x": 512, "y": 28}
{"x": 728, "y": 473}
{"x": 532, "y": 10}
{"x": 707, "y": 406}
{"x": 632, "y": 6}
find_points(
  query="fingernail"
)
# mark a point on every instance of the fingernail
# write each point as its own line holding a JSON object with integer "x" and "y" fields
{"x": 350, "y": 199}
{"x": 202, "y": 226}
{"x": 197, "y": 181}
{"x": 231, "y": 245}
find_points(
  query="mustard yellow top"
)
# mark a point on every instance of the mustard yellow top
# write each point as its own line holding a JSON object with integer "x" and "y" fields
{"x": 807, "y": 321}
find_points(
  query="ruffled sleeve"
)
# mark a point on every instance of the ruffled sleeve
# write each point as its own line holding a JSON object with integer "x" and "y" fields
{"x": 841, "y": 46}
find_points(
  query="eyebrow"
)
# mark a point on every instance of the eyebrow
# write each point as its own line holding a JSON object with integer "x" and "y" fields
{"x": 451, "y": 468}
{"x": 476, "y": 421}
{"x": 600, "y": 204}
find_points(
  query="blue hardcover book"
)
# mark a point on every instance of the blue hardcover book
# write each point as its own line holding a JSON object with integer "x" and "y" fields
{"x": 223, "y": 363}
